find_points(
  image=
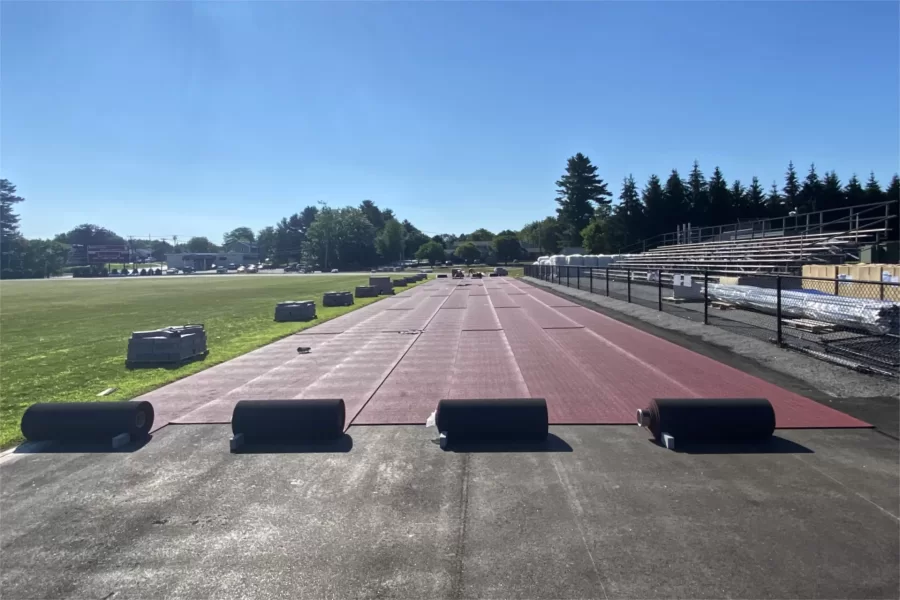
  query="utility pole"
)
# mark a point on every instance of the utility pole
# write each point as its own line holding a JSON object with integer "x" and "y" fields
{"x": 324, "y": 206}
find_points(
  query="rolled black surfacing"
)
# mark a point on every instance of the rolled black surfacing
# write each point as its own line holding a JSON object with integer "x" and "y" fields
{"x": 486, "y": 420}
{"x": 712, "y": 419}
{"x": 288, "y": 421}
{"x": 86, "y": 421}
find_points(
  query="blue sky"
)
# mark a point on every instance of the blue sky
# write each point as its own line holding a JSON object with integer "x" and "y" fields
{"x": 190, "y": 119}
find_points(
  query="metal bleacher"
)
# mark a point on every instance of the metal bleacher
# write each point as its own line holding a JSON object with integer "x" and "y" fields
{"x": 744, "y": 249}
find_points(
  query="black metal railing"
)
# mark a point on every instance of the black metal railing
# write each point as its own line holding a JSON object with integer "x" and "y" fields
{"x": 852, "y": 323}
{"x": 877, "y": 215}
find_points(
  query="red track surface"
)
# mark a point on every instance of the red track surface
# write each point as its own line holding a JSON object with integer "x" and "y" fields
{"x": 392, "y": 361}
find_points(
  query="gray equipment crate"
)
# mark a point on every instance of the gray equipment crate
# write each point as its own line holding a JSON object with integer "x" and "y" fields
{"x": 295, "y": 310}
{"x": 337, "y": 299}
{"x": 168, "y": 346}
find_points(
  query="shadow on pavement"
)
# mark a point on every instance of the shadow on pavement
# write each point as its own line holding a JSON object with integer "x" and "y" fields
{"x": 553, "y": 443}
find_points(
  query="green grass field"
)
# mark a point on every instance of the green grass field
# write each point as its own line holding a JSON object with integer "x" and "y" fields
{"x": 67, "y": 339}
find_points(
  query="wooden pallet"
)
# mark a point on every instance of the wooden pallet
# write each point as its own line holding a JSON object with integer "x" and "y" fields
{"x": 808, "y": 325}
{"x": 721, "y": 305}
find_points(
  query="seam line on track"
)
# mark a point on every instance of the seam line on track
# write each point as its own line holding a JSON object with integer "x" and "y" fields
{"x": 615, "y": 348}
{"x": 509, "y": 349}
{"x": 570, "y": 498}
{"x": 843, "y": 485}
{"x": 396, "y": 364}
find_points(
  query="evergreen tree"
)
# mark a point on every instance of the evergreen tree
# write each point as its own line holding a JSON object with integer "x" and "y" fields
{"x": 654, "y": 200}
{"x": 873, "y": 190}
{"x": 893, "y": 193}
{"x": 775, "y": 206}
{"x": 576, "y": 190}
{"x": 720, "y": 209}
{"x": 739, "y": 201}
{"x": 756, "y": 200}
{"x": 9, "y": 222}
{"x": 791, "y": 188}
{"x": 373, "y": 214}
{"x": 698, "y": 196}
{"x": 811, "y": 192}
{"x": 630, "y": 210}
{"x": 854, "y": 193}
{"x": 674, "y": 209}
{"x": 832, "y": 192}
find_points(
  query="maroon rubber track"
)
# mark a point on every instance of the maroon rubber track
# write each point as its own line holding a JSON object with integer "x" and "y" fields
{"x": 393, "y": 360}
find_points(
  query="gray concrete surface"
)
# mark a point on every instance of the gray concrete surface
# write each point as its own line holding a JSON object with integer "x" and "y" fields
{"x": 801, "y": 371}
{"x": 607, "y": 515}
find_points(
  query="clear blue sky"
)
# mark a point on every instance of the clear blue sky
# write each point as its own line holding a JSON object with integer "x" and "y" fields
{"x": 175, "y": 118}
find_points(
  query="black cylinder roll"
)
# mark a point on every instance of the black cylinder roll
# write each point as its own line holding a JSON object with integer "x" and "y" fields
{"x": 288, "y": 421}
{"x": 86, "y": 421}
{"x": 712, "y": 419}
{"x": 506, "y": 419}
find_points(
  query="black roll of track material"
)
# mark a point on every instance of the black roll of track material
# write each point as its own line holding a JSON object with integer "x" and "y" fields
{"x": 86, "y": 421}
{"x": 507, "y": 419}
{"x": 288, "y": 421}
{"x": 718, "y": 420}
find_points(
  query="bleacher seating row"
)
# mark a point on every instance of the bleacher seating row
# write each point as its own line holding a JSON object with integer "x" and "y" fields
{"x": 784, "y": 254}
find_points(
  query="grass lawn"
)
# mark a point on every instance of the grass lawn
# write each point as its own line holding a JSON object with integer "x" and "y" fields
{"x": 67, "y": 339}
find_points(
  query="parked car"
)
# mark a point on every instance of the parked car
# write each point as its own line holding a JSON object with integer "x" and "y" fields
{"x": 253, "y": 269}
{"x": 232, "y": 267}
{"x": 171, "y": 271}
{"x": 334, "y": 270}
{"x": 222, "y": 270}
{"x": 241, "y": 269}
{"x": 187, "y": 270}
{"x": 292, "y": 268}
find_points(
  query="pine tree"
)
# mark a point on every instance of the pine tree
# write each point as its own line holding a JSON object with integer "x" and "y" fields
{"x": 698, "y": 196}
{"x": 632, "y": 210}
{"x": 791, "y": 188}
{"x": 756, "y": 200}
{"x": 893, "y": 193}
{"x": 739, "y": 201}
{"x": 675, "y": 207}
{"x": 720, "y": 209}
{"x": 577, "y": 189}
{"x": 654, "y": 200}
{"x": 811, "y": 192}
{"x": 873, "y": 190}
{"x": 775, "y": 203}
{"x": 9, "y": 222}
{"x": 854, "y": 193}
{"x": 832, "y": 192}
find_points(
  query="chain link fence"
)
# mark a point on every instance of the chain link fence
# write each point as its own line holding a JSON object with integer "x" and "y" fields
{"x": 852, "y": 323}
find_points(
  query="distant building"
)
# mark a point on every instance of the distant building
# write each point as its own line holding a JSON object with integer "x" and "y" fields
{"x": 236, "y": 252}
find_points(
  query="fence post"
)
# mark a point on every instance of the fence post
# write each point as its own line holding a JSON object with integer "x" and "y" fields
{"x": 659, "y": 289}
{"x": 591, "y": 282}
{"x": 628, "y": 275}
{"x": 607, "y": 281}
{"x": 837, "y": 286}
{"x": 778, "y": 309}
{"x": 578, "y": 277}
{"x": 881, "y": 289}
{"x": 706, "y": 297}
{"x": 568, "y": 277}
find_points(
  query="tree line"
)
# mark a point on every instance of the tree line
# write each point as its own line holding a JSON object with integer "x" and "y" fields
{"x": 322, "y": 237}
{"x": 587, "y": 218}
{"x": 365, "y": 236}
